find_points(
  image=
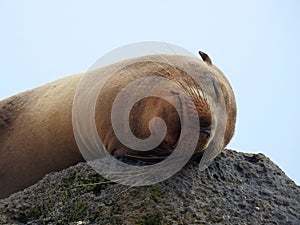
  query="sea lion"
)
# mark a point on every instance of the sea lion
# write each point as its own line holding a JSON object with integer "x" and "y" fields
{"x": 36, "y": 135}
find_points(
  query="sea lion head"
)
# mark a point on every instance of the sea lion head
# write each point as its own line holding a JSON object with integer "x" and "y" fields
{"x": 204, "y": 89}
{"x": 228, "y": 96}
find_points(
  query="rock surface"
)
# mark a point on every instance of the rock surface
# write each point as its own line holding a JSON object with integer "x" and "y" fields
{"x": 237, "y": 188}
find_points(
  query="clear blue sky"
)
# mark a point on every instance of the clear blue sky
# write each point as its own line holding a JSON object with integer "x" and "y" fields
{"x": 255, "y": 43}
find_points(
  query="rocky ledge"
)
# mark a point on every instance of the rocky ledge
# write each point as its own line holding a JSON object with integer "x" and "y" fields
{"x": 237, "y": 188}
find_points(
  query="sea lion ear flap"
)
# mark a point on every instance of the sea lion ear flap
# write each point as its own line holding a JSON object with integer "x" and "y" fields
{"x": 205, "y": 58}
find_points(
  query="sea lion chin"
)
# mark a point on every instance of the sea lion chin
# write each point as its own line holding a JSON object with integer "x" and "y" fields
{"x": 36, "y": 133}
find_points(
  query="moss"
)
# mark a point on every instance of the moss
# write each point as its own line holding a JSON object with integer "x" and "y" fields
{"x": 70, "y": 186}
{"x": 78, "y": 212}
{"x": 93, "y": 183}
{"x": 74, "y": 185}
{"x": 154, "y": 192}
{"x": 150, "y": 219}
{"x": 37, "y": 212}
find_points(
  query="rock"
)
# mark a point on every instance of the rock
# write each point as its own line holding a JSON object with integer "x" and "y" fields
{"x": 237, "y": 188}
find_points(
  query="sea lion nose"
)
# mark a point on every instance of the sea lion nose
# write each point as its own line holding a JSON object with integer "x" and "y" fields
{"x": 206, "y": 130}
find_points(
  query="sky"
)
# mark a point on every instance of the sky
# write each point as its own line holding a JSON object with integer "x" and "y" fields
{"x": 255, "y": 43}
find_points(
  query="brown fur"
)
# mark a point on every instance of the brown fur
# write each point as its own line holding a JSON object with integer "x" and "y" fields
{"x": 36, "y": 135}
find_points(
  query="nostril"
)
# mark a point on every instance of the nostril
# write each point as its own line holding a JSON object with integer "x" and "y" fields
{"x": 206, "y": 133}
{"x": 206, "y": 130}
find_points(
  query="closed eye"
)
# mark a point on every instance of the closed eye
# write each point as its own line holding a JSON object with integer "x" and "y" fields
{"x": 216, "y": 89}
